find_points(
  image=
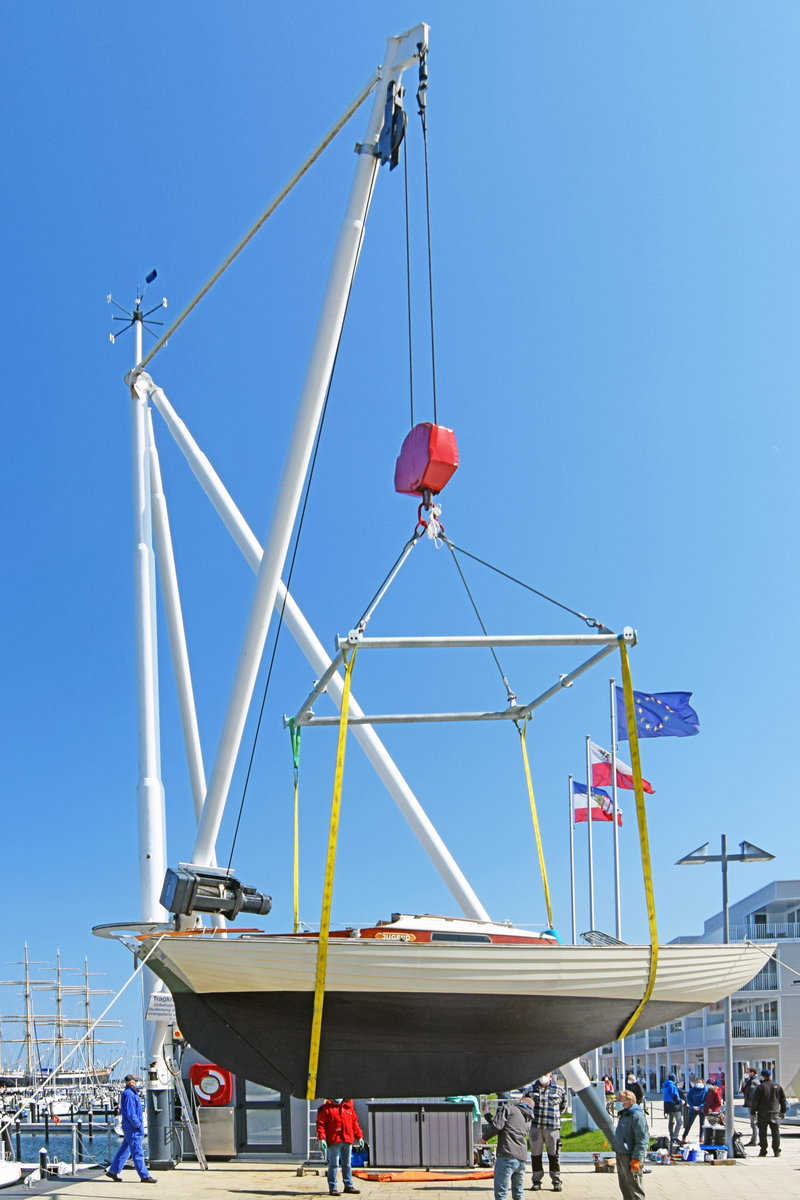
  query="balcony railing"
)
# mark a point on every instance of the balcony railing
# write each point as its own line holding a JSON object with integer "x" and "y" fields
{"x": 765, "y": 933}
{"x": 765, "y": 981}
{"x": 769, "y": 1028}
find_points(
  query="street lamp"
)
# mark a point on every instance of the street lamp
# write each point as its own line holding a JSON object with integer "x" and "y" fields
{"x": 749, "y": 854}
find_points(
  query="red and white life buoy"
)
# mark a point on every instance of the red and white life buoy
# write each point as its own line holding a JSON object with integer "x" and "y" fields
{"x": 212, "y": 1085}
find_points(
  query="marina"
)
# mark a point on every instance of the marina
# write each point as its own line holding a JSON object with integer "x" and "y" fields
{"x": 345, "y": 870}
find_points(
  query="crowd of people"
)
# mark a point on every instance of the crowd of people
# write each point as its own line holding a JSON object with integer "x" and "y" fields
{"x": 531, "y": 1125}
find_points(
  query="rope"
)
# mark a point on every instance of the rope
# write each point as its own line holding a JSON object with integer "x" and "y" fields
{"x": 294, "y": 734}
{"x": 590, "y": 621}
{"x": 267, "y": 213}
{"x": 327, "y": 892}
{"x": 522, "y": 728}
{"x": 641, "y": 816}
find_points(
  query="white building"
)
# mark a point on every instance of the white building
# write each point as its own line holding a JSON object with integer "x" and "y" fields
{"x": 766, "y": 1013}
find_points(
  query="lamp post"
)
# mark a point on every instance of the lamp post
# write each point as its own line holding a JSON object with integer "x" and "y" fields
{"x": 748, "y": 854}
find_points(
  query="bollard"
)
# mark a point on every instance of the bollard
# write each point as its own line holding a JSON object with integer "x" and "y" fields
{"x": 47, "y": 1126}
{"x": 43, "y": 1163}
{"x": 19, "y": 1140}
{"x": 80, "y": 1141}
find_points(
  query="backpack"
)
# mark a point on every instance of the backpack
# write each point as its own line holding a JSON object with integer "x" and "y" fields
{"x": 738, "y": 1146}
{"x": 660, "y": 1143}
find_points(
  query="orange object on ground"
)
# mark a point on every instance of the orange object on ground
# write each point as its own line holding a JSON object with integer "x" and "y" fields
{"x": 421, "y": 1176}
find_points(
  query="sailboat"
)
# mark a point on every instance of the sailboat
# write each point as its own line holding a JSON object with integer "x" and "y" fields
{"x": 413, "y": 1004}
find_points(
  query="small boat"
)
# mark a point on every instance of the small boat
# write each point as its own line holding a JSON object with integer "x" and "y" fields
{"x": 424, "y": 1005}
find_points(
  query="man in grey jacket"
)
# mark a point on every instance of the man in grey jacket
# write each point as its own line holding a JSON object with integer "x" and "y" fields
{"x": 630, "y": 1146}
{"x": 511, "y": 1123}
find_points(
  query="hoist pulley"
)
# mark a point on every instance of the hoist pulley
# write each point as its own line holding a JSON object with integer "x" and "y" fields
{"x": 427, "y": 460}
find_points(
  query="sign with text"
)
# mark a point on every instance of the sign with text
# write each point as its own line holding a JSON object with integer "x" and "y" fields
{"x": 161, "y": 1007}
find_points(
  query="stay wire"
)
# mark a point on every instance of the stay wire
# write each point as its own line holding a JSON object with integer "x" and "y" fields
{"x": 590, "y": 621}
{"x": 510, "y": 694}
{"x": 300, "y": 526}
{"x": 408, "y": 286}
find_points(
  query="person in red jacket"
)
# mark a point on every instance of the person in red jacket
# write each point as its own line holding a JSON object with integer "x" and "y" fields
{"x": 337, "y": 1130}
{"x": 712, "y": 1103}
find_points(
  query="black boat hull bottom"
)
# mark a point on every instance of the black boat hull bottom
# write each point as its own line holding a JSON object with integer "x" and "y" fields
{"x": 403, "y": 1043}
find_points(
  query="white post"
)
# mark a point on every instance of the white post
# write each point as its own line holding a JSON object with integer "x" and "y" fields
{"x": 313, "y": 650}
{"x": 589, "y": 827}
{"x": 150, "y": 791}
{"x": 176, "y": 630}
{"x": 400, "y": 51}
{"x": 572, "y": 858}
{"x": 618, "y": 909}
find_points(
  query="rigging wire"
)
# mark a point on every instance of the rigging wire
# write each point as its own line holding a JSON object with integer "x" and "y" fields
{"x": 422, "y": 103}
{"x": 300, "y": 524}
{"x": 590, "y": 621}
{"x": 510, "y": 694}
{"x": 368, "y": 88}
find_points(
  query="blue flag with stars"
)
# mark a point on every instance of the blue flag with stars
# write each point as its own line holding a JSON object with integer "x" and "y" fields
{"x": 659, "y": 714}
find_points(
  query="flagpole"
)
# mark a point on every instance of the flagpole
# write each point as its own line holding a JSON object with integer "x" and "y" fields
{"x": 589, "y": 827}
{"x": 614, "y": 793}
{"x": 572, "y": 857}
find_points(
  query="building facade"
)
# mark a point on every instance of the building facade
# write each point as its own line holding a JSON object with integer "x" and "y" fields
{"x": 765, "y": 1013}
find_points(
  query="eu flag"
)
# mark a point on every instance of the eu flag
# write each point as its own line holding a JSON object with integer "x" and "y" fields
{"x": 659, "y": 714}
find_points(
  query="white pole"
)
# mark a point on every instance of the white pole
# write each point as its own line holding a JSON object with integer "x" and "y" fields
{"x": 614, "y": 794}
{"x": 618, "y": 910}
{"x": 313, "y": 650}
{"x": 572, "y": 858}
{"x": 589, "y": 827}
{"x": 176, "y": 630}
{"x": 150, "y": 790}
{"x": 400, "y": 51}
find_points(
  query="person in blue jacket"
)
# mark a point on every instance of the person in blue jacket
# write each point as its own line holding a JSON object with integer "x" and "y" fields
{"x": 695, "y": 1099}
{"x": 673, "y": 1107}
{"x": 132, "y": 1135}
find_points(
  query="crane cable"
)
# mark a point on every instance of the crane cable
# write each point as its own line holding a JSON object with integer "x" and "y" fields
{"x": 327, "y": 891}
{"x": 641, "y": 817}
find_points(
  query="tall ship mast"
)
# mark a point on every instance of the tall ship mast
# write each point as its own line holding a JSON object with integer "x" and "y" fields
{"x": 47, "y": 1038}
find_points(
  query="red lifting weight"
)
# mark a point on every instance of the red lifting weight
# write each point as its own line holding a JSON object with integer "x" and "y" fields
{"x": 427, "y": 459}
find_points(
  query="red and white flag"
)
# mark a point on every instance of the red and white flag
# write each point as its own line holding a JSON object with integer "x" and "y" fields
{"x": 601, "y": 770}
{"x": 602, "y": 806}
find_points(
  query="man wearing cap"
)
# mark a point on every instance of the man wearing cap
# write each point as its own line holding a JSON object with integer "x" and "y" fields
{"x": 130, "y": 1107}
{"x": 769, "y": 1106}
{"x": 511, "y": 1123}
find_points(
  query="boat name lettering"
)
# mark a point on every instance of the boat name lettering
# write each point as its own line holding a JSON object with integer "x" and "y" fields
{"x": 397, "y": 937}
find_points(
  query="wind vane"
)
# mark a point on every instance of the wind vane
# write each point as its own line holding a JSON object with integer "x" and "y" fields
{"x": 131, "y": 318}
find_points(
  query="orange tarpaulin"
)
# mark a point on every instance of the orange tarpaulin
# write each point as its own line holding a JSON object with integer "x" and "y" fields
{"x": 420, "y": 1176}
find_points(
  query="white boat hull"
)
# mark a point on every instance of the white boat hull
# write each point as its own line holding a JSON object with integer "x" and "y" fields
{"x": 426, "y": 1018}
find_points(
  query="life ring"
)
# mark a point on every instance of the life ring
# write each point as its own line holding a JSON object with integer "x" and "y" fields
{"x": 56, "y": 1120}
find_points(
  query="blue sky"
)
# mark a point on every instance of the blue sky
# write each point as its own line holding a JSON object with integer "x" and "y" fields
{"x": 617, "y": 293}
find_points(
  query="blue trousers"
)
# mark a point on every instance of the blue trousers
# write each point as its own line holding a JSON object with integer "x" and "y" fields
{"x": 339, "y": 1151}
{"x": 131, "y": 1147}
{"x": 509, "y": 1171}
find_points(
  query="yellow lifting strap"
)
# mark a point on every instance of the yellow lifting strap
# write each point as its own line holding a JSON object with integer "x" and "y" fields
{"x": 327, "y": 892}
{"x": 641, "y": 816}
{"x": 523, "y": 743}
